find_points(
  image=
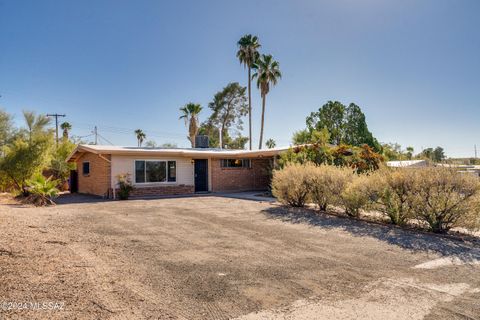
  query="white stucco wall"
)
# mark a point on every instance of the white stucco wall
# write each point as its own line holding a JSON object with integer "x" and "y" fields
{"x": 126, "y": 164}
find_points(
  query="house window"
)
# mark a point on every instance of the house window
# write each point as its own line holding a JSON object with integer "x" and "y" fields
{"x": 172, "y": 171}
{"x": 236, "y": 163}
{"x": 148, "y": 171}
{"x": 86, "y": 168}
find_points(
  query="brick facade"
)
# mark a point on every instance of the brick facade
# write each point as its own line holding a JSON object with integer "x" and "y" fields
{"x": 97, "y": 182}
{"x": 241, "y": 179}
{"x": 162, "y": 190}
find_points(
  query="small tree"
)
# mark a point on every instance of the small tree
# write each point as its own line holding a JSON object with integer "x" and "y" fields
{"x": 150, "y": 144}
{"x": 301, "y": 137}
{"x": 23, "y": 160}
{"x": 410, "y": 153}
{"x": 5, "y": 127}
{"x": 27, "y": 152}
{"x": 60, "y": 168}
{"x": 438, "y": 154}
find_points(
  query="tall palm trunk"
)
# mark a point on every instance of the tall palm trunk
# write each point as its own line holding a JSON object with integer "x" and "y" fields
{"x": 192, "y": 130}
{"x": 263, "y": 119}
{"x": 250, "y": 107}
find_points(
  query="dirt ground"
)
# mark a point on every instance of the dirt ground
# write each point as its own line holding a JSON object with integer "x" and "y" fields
{"x": 220, "y": 258}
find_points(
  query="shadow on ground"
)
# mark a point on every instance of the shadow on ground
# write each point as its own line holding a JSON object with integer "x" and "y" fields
{"x": 70, "y": 198}
{"x": 415, "y": 240}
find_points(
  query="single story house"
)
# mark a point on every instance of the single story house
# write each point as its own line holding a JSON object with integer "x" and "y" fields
{"x": 155, "y": 171}
{"x": 408, "y": 164}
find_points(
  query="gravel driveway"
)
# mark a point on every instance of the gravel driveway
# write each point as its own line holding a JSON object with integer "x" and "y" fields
{"x": 220, "y": 258}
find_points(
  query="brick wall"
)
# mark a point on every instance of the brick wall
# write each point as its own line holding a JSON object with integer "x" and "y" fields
{"x": 98, "y": 181}
{"x": 161, "y": 190}
{"x": 241, "y": 179}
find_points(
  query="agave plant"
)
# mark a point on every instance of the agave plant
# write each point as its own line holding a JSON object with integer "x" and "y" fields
{"x": 42, "y": 190}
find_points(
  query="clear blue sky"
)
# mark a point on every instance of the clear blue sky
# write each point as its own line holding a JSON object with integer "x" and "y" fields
{"x": 413, "y": 66}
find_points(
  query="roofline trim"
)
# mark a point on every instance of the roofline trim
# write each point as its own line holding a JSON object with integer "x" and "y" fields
{"x": 180, "y": 152}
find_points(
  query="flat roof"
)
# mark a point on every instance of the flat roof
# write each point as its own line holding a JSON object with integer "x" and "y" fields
{"x": 181, "y": 152}
{"x": 404, "y": 163}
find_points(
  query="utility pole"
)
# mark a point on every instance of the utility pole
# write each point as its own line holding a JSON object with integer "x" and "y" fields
{"x": 475, "y": 148}
{"x": 95, "y": 132}
{"x": 56, "y": 115}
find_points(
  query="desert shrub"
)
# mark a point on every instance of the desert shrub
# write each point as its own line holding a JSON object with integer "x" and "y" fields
{"x": 445, "y": 198}
{"x": 23, "y": 159}
{"x": 58, "y": 166}
{"x": 393, "y": 190}
{"x": 291, "y": 185}
{"x": 358, "y": 194}
{"x": 327, "y": 184}
{"x": 124, "y": 186}
{"x": 42, "y": 190}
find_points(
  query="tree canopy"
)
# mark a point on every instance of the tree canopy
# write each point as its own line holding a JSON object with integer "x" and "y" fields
{"x": 436, "y": 155}
{"x": 344, "y": 124}
{"x": 5, "y": 127}
{"x": 28, "y": 152}
{"x": 228, "y": 107}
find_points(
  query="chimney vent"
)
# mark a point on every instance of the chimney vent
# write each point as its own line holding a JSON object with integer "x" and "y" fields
{"x": 201, "y": 141}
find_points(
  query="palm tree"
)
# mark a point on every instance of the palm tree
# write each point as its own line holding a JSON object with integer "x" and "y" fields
{"x": 35, "y": 123}
{"x": 248, "y": 54}
{"x": 267, "y": 73}
{"x": 190, "y": 114}
{"x": 140, "y": 136}
{"x": 270, "y": 143}
{"x": 66, "y": 127}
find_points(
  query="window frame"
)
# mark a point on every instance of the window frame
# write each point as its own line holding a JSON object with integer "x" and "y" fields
{"x": 83, "y": 168}
{"x": 145, "y": 183}
{"x": 223, "y": 161}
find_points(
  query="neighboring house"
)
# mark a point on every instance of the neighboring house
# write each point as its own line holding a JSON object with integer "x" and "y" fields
{"x": 463, "y": 168}
{"x": 408, "y": 163}
{"x": 171, "y": 171}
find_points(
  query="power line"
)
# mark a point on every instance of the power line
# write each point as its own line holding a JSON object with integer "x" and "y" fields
{"x": 122, "y": 130}
{"x": 56, "y": 115}
{"x": 102, "y": 137}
